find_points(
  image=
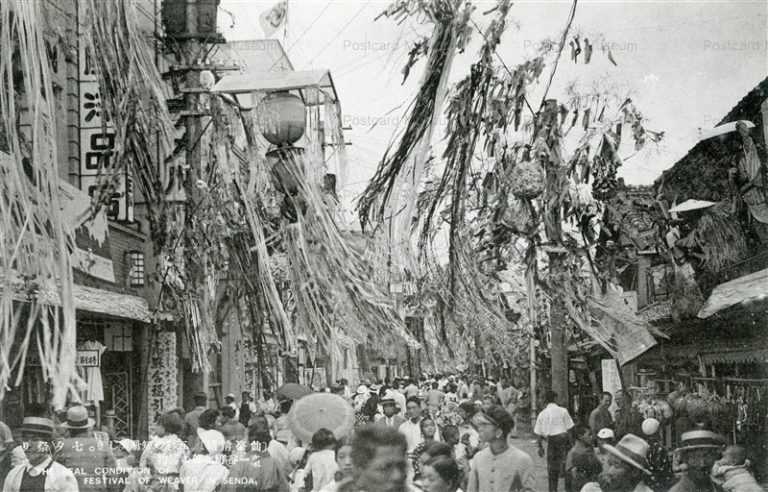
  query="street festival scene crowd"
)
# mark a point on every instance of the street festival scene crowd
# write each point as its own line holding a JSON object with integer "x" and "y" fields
{"x": 530, "y": 255}
{"x": 446, "y": 433}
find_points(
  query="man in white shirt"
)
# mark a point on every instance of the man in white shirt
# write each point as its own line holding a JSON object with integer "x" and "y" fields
{"x": 553, "y": 424}
{"x": 40, "y": 472}
{"x": 411, "y": 428}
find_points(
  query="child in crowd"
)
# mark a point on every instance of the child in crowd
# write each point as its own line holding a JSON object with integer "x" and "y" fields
{"x": 344, "y": 463}
{"x": 321, "y": 464}
{"x": 731, "y": 472}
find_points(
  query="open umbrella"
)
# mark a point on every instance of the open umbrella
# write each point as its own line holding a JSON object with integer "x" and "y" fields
{"x": 321, "y": 411}
{"x": 293, "y": 391}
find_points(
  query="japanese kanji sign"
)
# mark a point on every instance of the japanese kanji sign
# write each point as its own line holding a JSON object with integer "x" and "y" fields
{"x": 88, "y": 358}
{"x": 97, "y": 145}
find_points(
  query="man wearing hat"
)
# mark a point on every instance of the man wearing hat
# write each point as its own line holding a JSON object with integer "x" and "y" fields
{"x": 40, "y": 471}
{"x": 390, "y": 410}
{"x": 626, "y": 467}
{"x": 81, "y": 451}
{"x": 499, "y": 467}
{"x": 699, "y": 449}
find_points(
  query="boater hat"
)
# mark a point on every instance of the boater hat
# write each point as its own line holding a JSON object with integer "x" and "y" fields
{"x": 37, "y": 427}
{"x": 77, "y": 418}
{"x": 631, "y": 449}
{"x": 700, "y": 439}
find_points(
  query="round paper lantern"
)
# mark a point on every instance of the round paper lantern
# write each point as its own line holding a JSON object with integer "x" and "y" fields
{"x": 284, "y": 118}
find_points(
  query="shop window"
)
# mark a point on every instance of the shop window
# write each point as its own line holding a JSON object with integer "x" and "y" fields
{"x": 135, "y": 262}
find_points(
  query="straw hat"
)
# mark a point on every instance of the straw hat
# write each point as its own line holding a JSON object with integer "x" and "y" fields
{"x": 631, "y": 449}
{"x": 700, "y": 439}
{"x": 77, "y": 418}
{"x": 37, "y": 427}
{"x": 389, "y": 396}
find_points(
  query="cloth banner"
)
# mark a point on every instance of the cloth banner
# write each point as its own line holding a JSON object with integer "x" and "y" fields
{"x": 162, "y": 374}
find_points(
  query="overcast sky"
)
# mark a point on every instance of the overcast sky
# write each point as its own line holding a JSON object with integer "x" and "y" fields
{"x": 686, "y": 63}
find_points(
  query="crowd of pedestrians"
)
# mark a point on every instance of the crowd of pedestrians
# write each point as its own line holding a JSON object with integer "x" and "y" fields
{"x": 445, "y": 434}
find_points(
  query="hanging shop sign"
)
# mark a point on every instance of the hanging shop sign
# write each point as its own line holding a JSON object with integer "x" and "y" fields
{"x": 162, "y": 373}
{"x": 97, "y": 145}
{"x": 88, "y": 358}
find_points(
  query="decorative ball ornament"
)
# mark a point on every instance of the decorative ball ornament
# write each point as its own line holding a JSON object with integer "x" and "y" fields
{"x": 283, "y": 118}
{"x": 527, "y": 179}
{"x": 207, "y": 80}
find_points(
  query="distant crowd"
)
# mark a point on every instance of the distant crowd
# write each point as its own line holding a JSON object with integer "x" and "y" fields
{"x": 444, "y": 433}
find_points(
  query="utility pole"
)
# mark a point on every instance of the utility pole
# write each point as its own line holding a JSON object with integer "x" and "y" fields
{"x": 192, "y": 101}
{"x": 190, "y": 35}
{"x": 558, "y": 348}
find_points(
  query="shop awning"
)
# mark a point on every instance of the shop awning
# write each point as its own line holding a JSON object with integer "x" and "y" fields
{"x": 250, "y": 82}
{"x": 746, "y": 289}
{"x": 96, "y": 300}
{"x": 111, "y": 303}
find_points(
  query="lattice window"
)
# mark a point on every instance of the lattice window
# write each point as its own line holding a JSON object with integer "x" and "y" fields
{"x": 135, "y": 261}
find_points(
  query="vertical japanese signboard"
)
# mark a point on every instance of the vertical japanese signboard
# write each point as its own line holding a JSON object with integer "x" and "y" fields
{"x": 97, "y": 143}
{"x": 162, "y": 374}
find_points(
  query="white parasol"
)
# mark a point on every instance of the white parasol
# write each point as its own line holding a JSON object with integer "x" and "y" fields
{"x": 321, "y": 411}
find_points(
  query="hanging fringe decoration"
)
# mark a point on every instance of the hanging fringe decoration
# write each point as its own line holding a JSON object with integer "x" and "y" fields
{"x": 35, "y": 238}
{"x": 406, "y": 160}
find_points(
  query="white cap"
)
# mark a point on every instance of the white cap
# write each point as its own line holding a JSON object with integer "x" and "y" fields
{"x": 128, "y": 444}
{"x": 213, "y": 441}
{"x": 650, "y": 426}
{"x": 605, "y": 434}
